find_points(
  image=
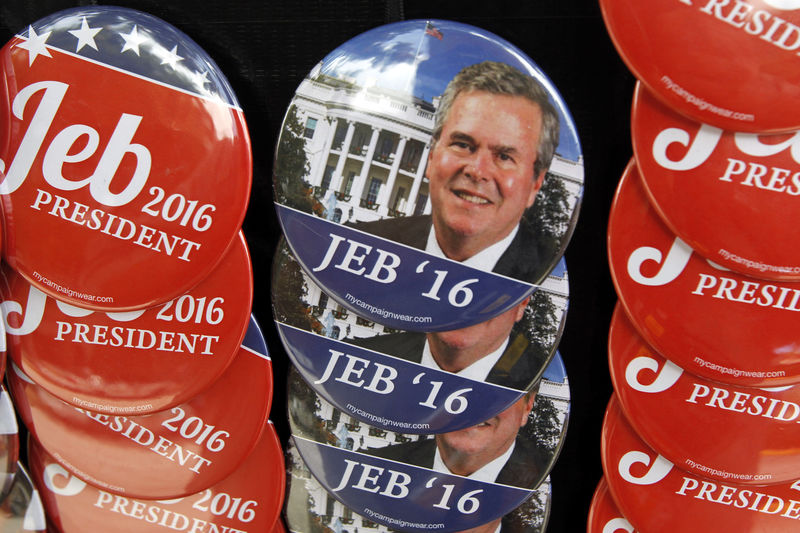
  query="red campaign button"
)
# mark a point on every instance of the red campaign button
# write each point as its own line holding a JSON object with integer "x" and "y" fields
{"x": 163, "y": 455}
{"x": 730, "y": 64}
{"x": 124, "y": 146}
{"x": 685, "y": 418}
{"x": 134, "y": 362}
{"x": 693, "y": 312}
{"x": 654, "y": 495}
{"x": 250, "y": 499}
{"x": 604, "y": 516}
{"x": 727, "y": 195}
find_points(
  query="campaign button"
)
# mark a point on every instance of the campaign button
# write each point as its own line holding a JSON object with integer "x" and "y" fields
{"x": 380, "y": 193}
{"x": 728, "y": 64}
{"x": 167, "y": 454}
{"x": 604, "y": 516}
{"x": 417, "y": 382}
{"x": 134, "y": 362}
{"x": 727, "y": 195}
{"x": 21, "y": 508}
{"x": 449, "y": 481}
{"x": 685, "y": 417}
{"x": 303, "y": 514}
{"x": 655, "y": 495}
{"x": 694, "y": 312}
{"x": 126, "y": 159}
{"x": 250, "y": 499}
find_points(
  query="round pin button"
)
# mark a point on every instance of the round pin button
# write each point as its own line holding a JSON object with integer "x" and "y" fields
{"x": 727, "y": 195}
{"x": 684, "y": 417}
{"x": 729, "y": 64}
{"x": 654, "y": 495}
{"x": 135, "y": 362}
{"x": 604, "y": 516}
{"x": 418, "y": 382}
{"x": 693, "y": 312}
{"x": 126, "y": 159}
{"x": 303, "y": 514}
{"x": 163, "y": 455}
{"x": 375, "y": 181}
{"x": 450, "y": 481}
{"x": 250, "y": 499}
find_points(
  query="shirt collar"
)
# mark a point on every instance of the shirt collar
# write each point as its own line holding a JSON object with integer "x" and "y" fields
{"x": 478, "y": 371}
{"x": 487, "y": 472}
{"x": 484, "y": 260}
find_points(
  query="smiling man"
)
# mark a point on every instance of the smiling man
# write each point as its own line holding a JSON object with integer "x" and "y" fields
{"x": 492, "y": 451}
{"x": 495, "y": 134}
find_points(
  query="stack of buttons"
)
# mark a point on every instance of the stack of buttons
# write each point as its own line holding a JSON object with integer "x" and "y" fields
{"x": 127, "y": 284}
{"x": 427, "y": 179}
{"x": 700, "y": 434}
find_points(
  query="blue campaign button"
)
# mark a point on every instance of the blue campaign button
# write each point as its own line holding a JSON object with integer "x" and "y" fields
{"x": 413, "y": 381}
{"x": 448, "y": 481}
{"x": 301, "y": 515}
{"x": 456, "y": 184}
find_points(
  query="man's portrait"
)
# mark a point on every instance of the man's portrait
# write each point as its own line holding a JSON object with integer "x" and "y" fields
{"x": 474, "y": 160}
{"x": 490, "y": 451}
{"x": 494, "y": 136}
{"x": 498, "y": 350}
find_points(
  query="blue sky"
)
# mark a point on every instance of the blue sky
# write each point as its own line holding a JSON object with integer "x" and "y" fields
{"x": 402, "y": 57}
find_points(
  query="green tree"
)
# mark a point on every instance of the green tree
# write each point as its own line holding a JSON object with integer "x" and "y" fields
{"x": 547, "y": 428}
{"x": 292, "y": 165}
{"x": 549, "y": 218}
{"x": 290, "y": 292}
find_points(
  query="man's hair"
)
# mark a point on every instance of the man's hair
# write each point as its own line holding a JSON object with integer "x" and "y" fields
{"x": 503, "y": 79}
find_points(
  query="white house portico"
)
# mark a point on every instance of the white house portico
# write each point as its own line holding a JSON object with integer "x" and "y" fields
{"x": 366, "y": 147}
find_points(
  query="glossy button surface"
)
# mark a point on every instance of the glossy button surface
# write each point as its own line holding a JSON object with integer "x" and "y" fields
{"x": 730, "y": 64}
{"x": 135, "y": 362}
{"x": 727, "y": 195}
{"x": 374, "y": 206}
{"x": 604, "y": 516}
{"x": 685, "y": 417}
{"x": 163, "y": 455}
{"x": 710, "y": 321}
{"x": 417, "y": 382}
{"x": 302, "y": 515}
{"x": 125, "y": 155}
{"x": 250, "y": 499}
{"x": 397, "y": 480}
{"x": 654, "y": 495}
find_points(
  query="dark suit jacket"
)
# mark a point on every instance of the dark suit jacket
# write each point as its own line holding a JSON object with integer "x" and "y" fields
{"x": 518, "y": 368}
{"x": 522, "y": 260}
{"x": 526, "y": 467}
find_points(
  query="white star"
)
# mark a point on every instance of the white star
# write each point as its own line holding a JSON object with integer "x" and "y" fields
{"x": 200, "y": 79}
{"x": 171, "y": 58}
{"x": 132, "y": 40}
{"x": 35, "y": 45}
{"x": 85, "y": 35}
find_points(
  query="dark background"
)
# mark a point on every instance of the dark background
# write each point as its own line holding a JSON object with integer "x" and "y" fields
{"x": 266, "y": 47}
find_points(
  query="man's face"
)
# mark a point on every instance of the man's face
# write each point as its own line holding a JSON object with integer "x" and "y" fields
{"x": 481, "y": 168}
{"x": 482, "y": 338}
{"x": 489, "y": 440}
